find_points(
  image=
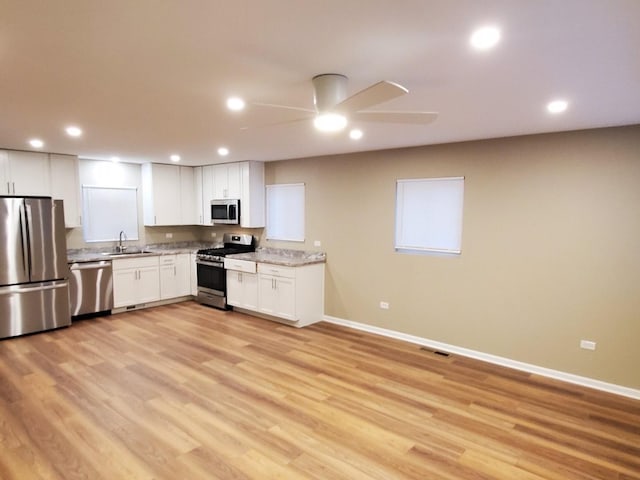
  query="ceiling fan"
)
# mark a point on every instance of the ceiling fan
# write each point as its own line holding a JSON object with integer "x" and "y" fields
{"x": 334, "y": 109}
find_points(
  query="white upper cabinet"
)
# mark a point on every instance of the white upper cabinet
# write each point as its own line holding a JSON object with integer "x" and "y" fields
{"x": 5, "y": 187}
{"x": 43, "y": 174}
{"x": 207, "y": 193}
{"x": 161, "y": 194}
{"x": 188, "y": 207}
{"x": 197, "y": 195}
{"x": 25, "y": 173}
{"x": 226, "y": 181}
{"x": 65, "y": 186}
{"x": 252, "y": 202}
{"x": 172, "y": 195}
{"x": 241, "y": 180}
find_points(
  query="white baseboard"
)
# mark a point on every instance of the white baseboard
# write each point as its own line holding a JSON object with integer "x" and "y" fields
{"x": 486, "y": 357}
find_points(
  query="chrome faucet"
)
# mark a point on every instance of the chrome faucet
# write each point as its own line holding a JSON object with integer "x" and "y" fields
{"x": 121, "y": 248}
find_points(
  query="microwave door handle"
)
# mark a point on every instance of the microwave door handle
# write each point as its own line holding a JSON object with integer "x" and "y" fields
{"x": 232, "y": 212}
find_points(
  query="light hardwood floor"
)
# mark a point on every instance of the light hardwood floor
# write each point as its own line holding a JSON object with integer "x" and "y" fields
{"x": 188, "y": 392}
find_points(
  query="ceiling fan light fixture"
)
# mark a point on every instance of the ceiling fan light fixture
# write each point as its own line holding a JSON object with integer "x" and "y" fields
{"x": 330, "y": 122}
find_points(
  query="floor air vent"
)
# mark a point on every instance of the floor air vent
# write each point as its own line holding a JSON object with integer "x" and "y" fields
{"x": 435, "y": 352}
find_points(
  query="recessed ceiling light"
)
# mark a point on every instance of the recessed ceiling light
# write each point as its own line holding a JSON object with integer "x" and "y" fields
{"x": 330, "y": 122}
{"x": 73, "y": 131}
{"x": 355, "y": 134}
{"x": 115, "y": 159}
{"x": 485, "y": 38}
{"x": 557, "y": 106}
{"x": 223, "y": 151}
{"x": 175, "y": 158}
{"x": 36, "y": 143}
{"x": 235, "y": 104}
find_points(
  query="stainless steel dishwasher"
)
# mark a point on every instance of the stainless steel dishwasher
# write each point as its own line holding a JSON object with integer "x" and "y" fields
{"x": 90, "y": 287}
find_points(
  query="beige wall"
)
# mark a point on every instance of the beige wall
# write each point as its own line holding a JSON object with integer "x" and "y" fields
{"x": 551, "y": 241}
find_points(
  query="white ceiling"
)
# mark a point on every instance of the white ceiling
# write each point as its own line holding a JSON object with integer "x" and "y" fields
{"x": 148, "y": 78}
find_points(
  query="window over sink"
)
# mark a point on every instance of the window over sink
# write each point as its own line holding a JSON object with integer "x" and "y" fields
{"x": 107, "y": 211}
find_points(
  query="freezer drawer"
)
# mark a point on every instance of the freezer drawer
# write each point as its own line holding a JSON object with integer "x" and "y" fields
{"x": 34, "y": 307}
{"x": 91, "y": 287}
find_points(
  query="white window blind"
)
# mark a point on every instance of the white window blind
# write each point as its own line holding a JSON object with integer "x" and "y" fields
{"x": 285, "y": 212}
{"x": 429, "y": 214}
{"x": 107, "y": 211}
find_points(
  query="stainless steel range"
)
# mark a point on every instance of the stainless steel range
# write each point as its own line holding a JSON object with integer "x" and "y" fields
{"x": 212, "y": 277}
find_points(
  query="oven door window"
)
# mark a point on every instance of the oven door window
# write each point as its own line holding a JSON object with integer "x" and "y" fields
{"x": 213, "y": 278}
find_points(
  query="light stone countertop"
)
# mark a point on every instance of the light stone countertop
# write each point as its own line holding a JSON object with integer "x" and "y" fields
{"x": 97, "y": 254}
{"x": 281, "y": 256}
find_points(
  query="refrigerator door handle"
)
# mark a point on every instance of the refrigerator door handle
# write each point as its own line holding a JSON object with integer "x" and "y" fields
{"x": 24, "y": 239}
{"x": 38, "y": 288}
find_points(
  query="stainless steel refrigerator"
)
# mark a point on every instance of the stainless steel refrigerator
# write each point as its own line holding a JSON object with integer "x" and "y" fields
{"x": 34, "y": 285}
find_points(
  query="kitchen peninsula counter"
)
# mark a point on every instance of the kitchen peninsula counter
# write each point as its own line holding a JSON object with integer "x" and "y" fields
{"x": 281, "y": 256}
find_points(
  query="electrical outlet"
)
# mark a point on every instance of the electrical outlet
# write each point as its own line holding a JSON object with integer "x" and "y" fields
{"x": 587, "y": 344}
{"x": 168, "y": 235}
{"x": 317, "y": 243}
{"x": 213, "y": 234}
{"x": 384, "y": 305}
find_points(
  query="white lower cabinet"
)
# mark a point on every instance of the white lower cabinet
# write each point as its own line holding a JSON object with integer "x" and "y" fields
{"x": 278, "y": 292}
{"x": 242, "y": 289}
{"x": 175, "y": 276}
{"x": 193, "y": 268}
{"x": 135, "y": 281}
{"x": 293, "y": 294}
{"x": 242, "y": 284}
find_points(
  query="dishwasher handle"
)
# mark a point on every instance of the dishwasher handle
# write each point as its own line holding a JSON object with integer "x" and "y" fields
{"x": 90, "y": 265}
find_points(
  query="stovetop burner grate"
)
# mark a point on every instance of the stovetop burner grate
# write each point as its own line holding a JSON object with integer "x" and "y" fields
{"x": 234, "y": 243}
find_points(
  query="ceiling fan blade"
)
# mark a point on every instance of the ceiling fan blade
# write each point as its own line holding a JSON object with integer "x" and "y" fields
{"x": 284, "y": 114}
{"x": 284, "y": 107}
{"x": 377, "y": 93}
{"x": 396, "y": 117}
{"x": 274, "y": 124}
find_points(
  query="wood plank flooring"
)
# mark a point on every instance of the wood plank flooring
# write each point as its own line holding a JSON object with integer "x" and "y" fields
{"x": 188, "y": 392}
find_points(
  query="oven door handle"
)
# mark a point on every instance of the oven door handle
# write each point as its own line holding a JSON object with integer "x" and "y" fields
{"x": 210, "y": 264}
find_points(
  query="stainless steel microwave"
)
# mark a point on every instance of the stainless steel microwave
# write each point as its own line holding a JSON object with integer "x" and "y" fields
{"x": 225, "y": 211}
